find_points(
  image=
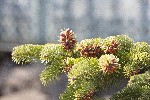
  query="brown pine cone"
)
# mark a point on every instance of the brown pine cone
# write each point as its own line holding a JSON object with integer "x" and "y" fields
{"x": 112, "y": 48}
{"x": 67, "y": 39}
{"x": 91, "y": 51}
{"x": 108, "y": 63}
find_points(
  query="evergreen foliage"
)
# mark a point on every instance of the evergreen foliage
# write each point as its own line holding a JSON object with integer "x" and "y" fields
{"x": 138, "y": 88}
{"x": 92, "y": 65}
{"x": 26, "y": 53}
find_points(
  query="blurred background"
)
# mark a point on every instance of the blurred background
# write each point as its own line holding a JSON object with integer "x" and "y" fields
{"x": 40, "y": 22}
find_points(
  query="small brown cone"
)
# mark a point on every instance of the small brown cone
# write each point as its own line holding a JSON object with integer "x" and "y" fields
{"x": 67, "y": 39}
{"x": 112, "y": 48}
{"x": 90, "y": 51}
{"x": 108, "y": 63}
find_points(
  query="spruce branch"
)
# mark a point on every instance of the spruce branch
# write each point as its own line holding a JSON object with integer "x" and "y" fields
{"x": 139, "y": 59}
{"x": 26, "y": 53}
{"x": 51, "y": 72}
{"x": 138, "y": 88}
{"x": 79, "y": 90}
{"x": 140, "y": 47}
{"x": 92, "y": 65}
{"x": 53, "y": 56}
{"x": 52, "y": 52}
{"x": 125, "y": 44}
{"x": 83, "y": 68}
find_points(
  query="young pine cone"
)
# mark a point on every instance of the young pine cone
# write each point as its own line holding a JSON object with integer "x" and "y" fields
{"x": 67, "y": 39}
{"x": 112, "y": 48}
{"x": 90, "y": 51}
{"x": 108, "y": 63}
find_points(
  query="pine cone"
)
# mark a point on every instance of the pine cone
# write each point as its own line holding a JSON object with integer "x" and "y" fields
{"x": 67, "y": 39}
{"x": 108, "y": 63}
{"x": 90, "y": 51}
{"x": 112, "y": 48}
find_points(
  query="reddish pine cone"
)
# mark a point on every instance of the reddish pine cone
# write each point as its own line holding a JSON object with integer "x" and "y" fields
{"x": 67, "y": 39}
{"x": 90, "y": 51}
{"x": 112, "y": 48}
{"x": 108, "y": 63}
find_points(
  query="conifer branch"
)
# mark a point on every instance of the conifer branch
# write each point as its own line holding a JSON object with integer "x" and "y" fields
{"x": 138, "y": 88}
{"x": 26, "y": 53}
{"x": 51, "y": 72}
{"x": 92, "y": 65}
